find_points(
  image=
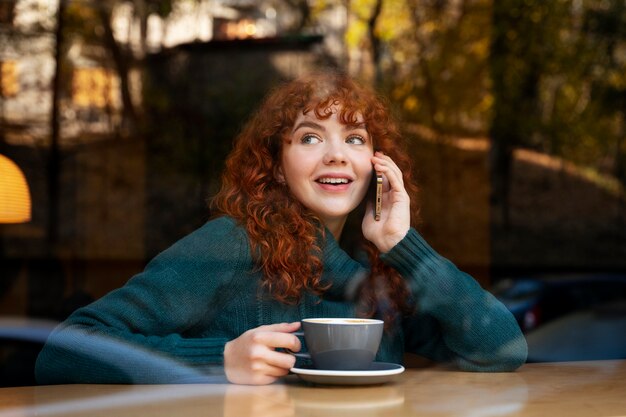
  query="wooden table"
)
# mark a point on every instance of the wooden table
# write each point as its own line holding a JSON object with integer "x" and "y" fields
{"x": 572, "y": 389}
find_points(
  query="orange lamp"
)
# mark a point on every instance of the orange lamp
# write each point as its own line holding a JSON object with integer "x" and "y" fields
{"x": 15, "y": 203}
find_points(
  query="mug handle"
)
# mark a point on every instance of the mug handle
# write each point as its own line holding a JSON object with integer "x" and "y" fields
{"x": 304, "y": 355}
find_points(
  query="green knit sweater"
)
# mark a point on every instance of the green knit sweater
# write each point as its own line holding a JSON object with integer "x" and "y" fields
{"x": 170, "y": 323}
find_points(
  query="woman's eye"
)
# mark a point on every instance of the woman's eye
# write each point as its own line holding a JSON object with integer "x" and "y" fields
{"x": 310, "y": 139}
{"x": 355, "y": 140}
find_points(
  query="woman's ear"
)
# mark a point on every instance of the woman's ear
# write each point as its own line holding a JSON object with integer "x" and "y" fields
{"x": 278, "y": 174}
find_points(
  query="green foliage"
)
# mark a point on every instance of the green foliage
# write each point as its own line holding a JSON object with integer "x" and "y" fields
{"x": 547, "y": 75}
{"x": 436, "y": 62}
{"x": 587, "y": 123}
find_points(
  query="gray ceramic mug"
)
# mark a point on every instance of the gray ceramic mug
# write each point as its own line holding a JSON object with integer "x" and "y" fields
{"x": 341, "y": 343}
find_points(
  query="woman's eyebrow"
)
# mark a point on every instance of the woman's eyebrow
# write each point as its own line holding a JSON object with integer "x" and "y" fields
{"x": 311, "y": 125}
{"x": 314, "y": 125}
{"x": 355, "y": 126}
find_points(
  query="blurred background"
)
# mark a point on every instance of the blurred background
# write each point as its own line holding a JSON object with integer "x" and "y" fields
{"x": 116, "y": 116}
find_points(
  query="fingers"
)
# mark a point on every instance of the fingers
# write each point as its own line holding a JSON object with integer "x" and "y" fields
{"x": 396, "y": 215}
{"x": 278, "y": 336}
{"x": 280, "y": 327}
{"x": 252, "y": 359}
{"x": 279, "y": 363}
{"x": 272, "y": 363}
{"x": 385, "y": 165}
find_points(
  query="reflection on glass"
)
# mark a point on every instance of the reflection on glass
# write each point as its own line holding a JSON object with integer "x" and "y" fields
{"x": 312, "y": 400}
{"x": 15, "y": 200}
{"x": 336, "y": 401}
{"x": 472, "y": 394}
{"x": 260, "y": 401}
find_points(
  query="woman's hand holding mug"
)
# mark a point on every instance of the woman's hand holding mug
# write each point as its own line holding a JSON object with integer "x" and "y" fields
{"x": 252, "y": 357}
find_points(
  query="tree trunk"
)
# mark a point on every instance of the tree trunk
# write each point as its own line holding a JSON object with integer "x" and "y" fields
{"x": 122, "y": 66}
{"x": 516, "y": 70}
{"x": 375, "y": 43}
{"x": 54, "y": 154}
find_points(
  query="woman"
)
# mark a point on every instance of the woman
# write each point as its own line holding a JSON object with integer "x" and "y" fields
{"x": 293, "y": 236}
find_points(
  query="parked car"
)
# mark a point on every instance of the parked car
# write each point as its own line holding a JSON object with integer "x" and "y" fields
{"x": 569, "y": 317}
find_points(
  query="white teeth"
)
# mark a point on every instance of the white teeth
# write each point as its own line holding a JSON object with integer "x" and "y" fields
{"x": 333, "y": 180}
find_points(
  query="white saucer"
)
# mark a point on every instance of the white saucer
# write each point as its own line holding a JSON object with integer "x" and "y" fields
{"x": 378, "y": 373}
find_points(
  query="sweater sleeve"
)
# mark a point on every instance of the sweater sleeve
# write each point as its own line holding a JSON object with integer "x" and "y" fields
{"x": 456, "y": 320}
{"x": 137, "y": 334}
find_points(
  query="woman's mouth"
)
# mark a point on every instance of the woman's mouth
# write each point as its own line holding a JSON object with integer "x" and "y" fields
{"x": 333, "y": 181}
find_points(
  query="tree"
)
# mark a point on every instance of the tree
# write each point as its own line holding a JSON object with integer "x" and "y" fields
{"x": 524, "y": 38}
{"x": 604, "y": 27}
{"x": 54, "y": 153}
{"x": 91, "y": 24}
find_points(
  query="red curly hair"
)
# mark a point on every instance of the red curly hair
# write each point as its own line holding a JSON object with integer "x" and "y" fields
{"x": 283, "y": 233}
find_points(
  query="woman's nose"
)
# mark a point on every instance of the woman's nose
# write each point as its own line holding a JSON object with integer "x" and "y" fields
{"x": 335, "y": 154}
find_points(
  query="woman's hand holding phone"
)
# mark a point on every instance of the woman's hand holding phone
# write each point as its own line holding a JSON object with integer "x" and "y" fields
{"x": 395, "y": 214}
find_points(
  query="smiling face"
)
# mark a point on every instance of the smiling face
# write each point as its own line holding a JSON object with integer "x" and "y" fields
{"x": 327, "y": 165}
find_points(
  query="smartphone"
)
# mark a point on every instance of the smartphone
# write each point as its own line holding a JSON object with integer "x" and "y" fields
{"x": 378, "y": 195}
